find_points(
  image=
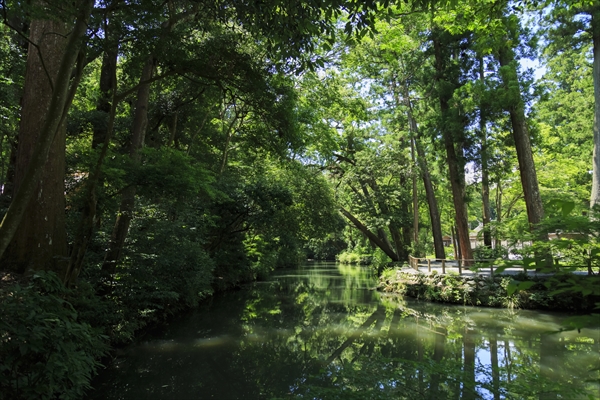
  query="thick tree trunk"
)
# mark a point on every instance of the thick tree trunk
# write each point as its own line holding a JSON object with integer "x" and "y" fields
{"x": 39, "y": 240}
{"x": 370, "y": 235}
{"x": 125, "y": 215}
{"x": 455, "y": 166}
{"x": 434, "y": 212}
{"x": 531, "y": 190}
{"x": 595, "y": 198}
{"x": 457, "y": 183}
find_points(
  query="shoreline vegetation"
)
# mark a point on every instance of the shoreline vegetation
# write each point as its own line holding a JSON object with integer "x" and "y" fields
{"x": 55, "y": 339}
{"x": 506, "y": 291}
{"x": 154, "y": 153}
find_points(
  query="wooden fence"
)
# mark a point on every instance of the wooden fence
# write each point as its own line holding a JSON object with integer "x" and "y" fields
{"x": 415, "y": 263}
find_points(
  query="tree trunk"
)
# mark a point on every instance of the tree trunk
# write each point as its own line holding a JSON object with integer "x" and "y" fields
{"x": 39, "y": 240}
{"x": 370, "y": 235}
{"x": 102, "y": 129}
{"x": 485, "y": 179}
{"x": 107, "y": 83}
{"x": 88, "y": 213}
{"x": 434, "y": 212}
{"x": 595, "y": 198}
{"x": 485, "y": 195}
{"x": 497, "y": 239}
{"x": 383, "y": 210}
{"x": 125, "y": 215}
{"x": 415, "y": 192}
{"x": 392, "y": 227}
{"x": 406, "y": 228}
{"x": 531, "y": 190}
{"x": 173, "y": 131}
{"x": 455, "y": 166}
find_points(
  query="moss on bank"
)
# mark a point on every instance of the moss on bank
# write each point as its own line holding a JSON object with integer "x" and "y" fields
{"x": 479, "y": 290}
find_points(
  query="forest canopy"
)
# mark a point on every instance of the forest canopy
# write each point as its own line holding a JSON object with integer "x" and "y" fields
{"x": 154, "y": 152}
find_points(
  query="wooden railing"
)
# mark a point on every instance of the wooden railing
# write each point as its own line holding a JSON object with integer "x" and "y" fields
{"x": 415, "y": 263}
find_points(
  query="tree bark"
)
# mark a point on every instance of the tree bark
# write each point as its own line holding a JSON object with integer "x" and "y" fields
{"x": 497, "y": 239}
{"x": 406, "y": 228}
{"x": 434, "y": 212}
{"x": 383, "y": 210}
{"x": 125, "y": 215}
{"x": 370, "y": 235}
{"x": 107, "y": 83}
{"x": 516, "y": 110}
{"x": 455, "y": 166}
{"x": 399, "y": 246}
{"x": 485, "y": 179}
{"x": 415, "y": 192}
{"x": 485, "y": 194}
{"x": 39, "y": 241}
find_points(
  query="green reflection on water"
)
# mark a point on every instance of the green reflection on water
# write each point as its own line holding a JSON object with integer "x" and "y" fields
{"x": 322, "y": 332}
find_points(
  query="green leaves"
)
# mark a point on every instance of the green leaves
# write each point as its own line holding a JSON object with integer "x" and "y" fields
{"x": 565, "y": 206}
{"x": 516, "y": 286}
{"x": 45, "y": 350}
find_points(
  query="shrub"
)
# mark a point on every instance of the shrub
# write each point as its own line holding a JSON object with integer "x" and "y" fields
{"x": 46, "y": 352}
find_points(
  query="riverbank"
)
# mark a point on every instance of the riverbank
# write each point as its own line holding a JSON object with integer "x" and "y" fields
{"x": 53, "y": 339}
{"x": 508, "y": 291}
{"x": 320, "y": 331}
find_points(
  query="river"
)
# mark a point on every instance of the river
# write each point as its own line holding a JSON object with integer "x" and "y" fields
{"x": 323, "y": 332}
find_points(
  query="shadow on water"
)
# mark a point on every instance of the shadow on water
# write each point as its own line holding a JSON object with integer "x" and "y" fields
{"x": 322, "y": 332}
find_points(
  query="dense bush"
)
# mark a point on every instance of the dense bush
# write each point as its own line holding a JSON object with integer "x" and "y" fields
{"x": 353, "y": 257}
{"x": 486, "y": 253}
{"x": 46, "y": 351}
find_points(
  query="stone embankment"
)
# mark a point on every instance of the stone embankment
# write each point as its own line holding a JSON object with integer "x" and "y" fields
{"x": 485, "y": 290}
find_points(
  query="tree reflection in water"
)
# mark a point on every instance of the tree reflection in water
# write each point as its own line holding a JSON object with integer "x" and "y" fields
{"x": 321, "y": 332}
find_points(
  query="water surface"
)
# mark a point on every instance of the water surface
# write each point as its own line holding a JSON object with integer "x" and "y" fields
{"x": 322, "y": 332}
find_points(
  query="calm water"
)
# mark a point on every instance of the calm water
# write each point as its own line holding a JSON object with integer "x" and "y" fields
{"x": 322, "y": 332}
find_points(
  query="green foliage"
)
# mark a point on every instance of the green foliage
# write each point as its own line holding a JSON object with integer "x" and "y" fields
{"x": 171, "y": 175}
{"x": 486, "y": 253}
{"x": 351, "y": 257}
{"x": 46, "y": 351}
{"x": 245, "y": 167}
{"x": 515, "y": 291}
